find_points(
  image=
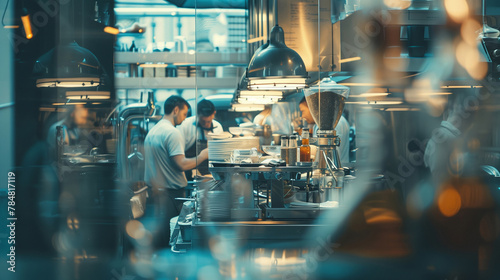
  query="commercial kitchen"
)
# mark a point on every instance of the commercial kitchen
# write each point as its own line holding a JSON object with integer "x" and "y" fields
{"x": 302, "y": 139}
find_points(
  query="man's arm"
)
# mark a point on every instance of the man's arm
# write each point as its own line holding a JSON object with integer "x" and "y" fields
{"x": 185, "y": 164}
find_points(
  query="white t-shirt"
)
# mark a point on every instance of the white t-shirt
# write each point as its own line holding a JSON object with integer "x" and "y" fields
{"x": 162, "y": 143}
{"x": 189, "y": 131}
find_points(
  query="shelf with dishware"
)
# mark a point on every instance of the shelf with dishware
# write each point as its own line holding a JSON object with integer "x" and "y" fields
{"x": 178, "y": 70}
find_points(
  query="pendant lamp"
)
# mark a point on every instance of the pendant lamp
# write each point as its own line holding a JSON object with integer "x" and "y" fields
{"x": 69, "y": 66}
{"x": 246, "y": 96}
{"x": 276, "y": 67}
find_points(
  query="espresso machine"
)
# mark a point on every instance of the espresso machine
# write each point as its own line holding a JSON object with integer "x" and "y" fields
{"x": 326, "y": 103}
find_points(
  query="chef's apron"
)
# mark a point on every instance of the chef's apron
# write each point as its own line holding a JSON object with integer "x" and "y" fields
{"x": 194, "y": 150}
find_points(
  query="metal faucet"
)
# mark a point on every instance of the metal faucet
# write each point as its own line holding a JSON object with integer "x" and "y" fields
{"x": 94, "y": 152}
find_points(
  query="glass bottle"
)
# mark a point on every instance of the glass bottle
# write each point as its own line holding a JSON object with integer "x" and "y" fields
{"x": 292, "y": 150}
{"x": 133, "y": 48}
{"x": 284, "y": 148}
{"x": 305, "y": 149}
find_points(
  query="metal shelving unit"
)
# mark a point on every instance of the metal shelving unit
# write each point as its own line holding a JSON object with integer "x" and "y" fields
{"x": 176, "y": 83}
{"x": 187, "y": 59}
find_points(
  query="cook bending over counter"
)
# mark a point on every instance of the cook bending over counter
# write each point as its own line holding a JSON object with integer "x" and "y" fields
{"x": 195, "y": 130}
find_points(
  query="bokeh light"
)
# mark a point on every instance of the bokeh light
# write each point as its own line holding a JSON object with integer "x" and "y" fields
{"x": 458, "y": 10}
{"x": 135, "y": 229}
{"x": 397, "y": 4}
{"x": 449, "y": 202}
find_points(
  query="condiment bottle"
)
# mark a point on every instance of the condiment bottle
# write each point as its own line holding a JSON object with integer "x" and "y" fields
{"x": 292, "y": 150}
{"x": 284, "y": 148}
{"x": 305, "y": 149}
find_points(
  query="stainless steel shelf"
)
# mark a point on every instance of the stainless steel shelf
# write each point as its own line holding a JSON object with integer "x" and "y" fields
{"x": 176, "y": 83}
{"x": 217, "y": 59}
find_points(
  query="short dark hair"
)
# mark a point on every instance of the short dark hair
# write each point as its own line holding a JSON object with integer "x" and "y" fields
{"x": 205, "y": 108}
{"x": 174, "y": 101}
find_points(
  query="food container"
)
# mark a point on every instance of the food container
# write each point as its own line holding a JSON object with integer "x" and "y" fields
{"x": 326, "y": 102}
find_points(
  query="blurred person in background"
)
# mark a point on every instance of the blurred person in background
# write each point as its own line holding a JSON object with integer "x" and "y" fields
{"x": 264, "y": 117}
{"x": 71, "y": 126}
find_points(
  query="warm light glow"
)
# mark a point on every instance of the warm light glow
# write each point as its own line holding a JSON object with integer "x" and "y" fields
{"x": 468, "y": 57}
{"x": 468, "y": 31}
{"x": 401, "y": 109}
{"x": 247, "y": 107}
{"x": 72, "y": 222}
{"x": 351, "y": 59}
{"x": 259, "y": 96}
{"x": 276, "y": 83}
{"x": 44, "y": 109}
{"x": 458, "y": 10}
{"x": 257, "y": 39}
{"x": 449, "y": 202}
{"x": 135, "y": 229}
{"x": 191, "y": 52}
{"x": 398, "y": 4}
{"x": 64, "y": 104}
{"x": 369, "y": 94}
{"x": 82, "y": 95}
{"x": 274, "y": 261}
{"x": 111, "y": 30}
{"x": 458, "y": 87}
{"x": 415, "y": 95}
{"x": 68, "y": 82}
{"x": 478, "y": 71}
{"x": 375, "y": 102}
{"x": 11, "y": 26}
{"x": 267, "y": 93}
{"x": 27, "y": 26}
{"x": 257, "y": 100}
{"x": 153, "y": 65}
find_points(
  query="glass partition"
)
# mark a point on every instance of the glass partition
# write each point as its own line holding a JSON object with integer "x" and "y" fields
{"x": 397, "y": 176}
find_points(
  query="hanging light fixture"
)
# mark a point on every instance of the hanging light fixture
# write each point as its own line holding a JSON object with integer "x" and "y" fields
{"x": 247, "y": 107}
{"x": 68, "y": 66}
{"x": 244, "y": 96}
{"x": 87, "y": 95}
{"x": 25, "y": 18}
{"x": 259, "y": 96}
{"x": 276, "y": 66}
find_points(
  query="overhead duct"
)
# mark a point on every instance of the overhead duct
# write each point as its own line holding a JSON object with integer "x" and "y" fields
{"x": 207, "y": 4}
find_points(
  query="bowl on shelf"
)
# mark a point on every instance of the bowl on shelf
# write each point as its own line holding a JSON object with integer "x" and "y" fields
{"x": 242, "y": 131}
{"x": 274, "y": 151}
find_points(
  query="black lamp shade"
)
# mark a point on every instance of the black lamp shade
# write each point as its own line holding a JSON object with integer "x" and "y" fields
{"x": 67, "y": 66}
{"x": 276, "y": 61}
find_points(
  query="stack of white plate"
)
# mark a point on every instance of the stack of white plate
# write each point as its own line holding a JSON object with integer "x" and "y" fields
{"x": 220, "y": 150}
{"x": 217, "y": 206}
